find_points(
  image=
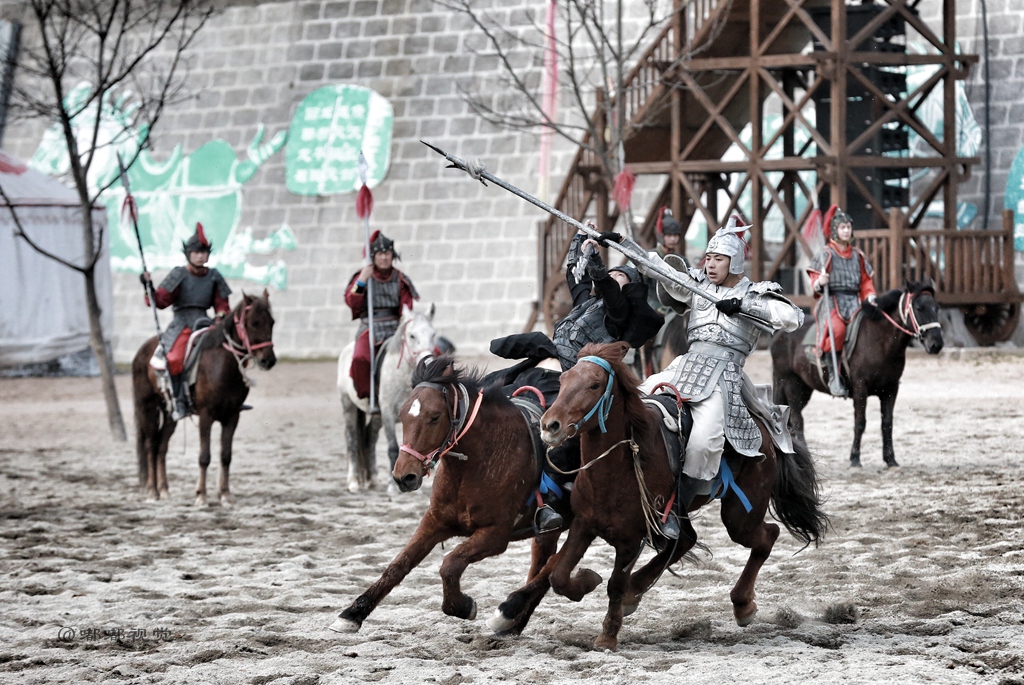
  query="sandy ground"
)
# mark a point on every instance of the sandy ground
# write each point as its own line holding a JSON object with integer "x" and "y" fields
{"x": 101, "y": 585}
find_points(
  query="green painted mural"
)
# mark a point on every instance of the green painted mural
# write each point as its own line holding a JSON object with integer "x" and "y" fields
{"x": 330, "y": 128}
{"x": 172, "y": 195}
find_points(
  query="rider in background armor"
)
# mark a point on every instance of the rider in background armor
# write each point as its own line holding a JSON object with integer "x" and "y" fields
{"x": 845, "y": 271}
{"x": 192, "y": 290}
{"x": 710, "y": 375}
{"x": 392, "y": 291}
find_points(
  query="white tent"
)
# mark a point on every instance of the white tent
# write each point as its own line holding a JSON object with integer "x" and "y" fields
{"x": 43, "y": 312}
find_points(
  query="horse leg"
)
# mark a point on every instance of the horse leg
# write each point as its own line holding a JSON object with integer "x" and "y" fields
{"x": 159, "y": 462}
{"x": 205, "y": 424}
{"x": 618, "y": 581}
{"x": 483, "y": 543}
{"x": 751, "y": 531}
{"x": 427, "y": 536}
{"x": 227, "y": 433}
{"x": 796, "y": 394}
{"x": 644, "y": 579}
{"x": 388, "y": 421}
{"x": 354, "y": 419}
{"x": 860, "y": 422}
{"x": 512, "y": 615}
{"x": 585, "y": 580}
{"x": 888, "y": 402}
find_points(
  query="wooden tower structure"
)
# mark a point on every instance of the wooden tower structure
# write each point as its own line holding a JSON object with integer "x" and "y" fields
{"x": 771, "y": 108}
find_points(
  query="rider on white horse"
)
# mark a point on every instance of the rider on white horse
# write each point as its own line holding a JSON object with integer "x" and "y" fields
{"x": 392, "y": 291}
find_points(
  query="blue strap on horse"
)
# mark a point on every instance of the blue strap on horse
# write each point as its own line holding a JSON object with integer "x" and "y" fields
{"x": 604, "y": 405}
{"x": 549, "y": 486}
{"x": 725, "y": 480}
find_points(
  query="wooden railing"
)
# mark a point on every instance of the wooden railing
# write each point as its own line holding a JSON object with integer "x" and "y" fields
{"x": 967, "y": 267}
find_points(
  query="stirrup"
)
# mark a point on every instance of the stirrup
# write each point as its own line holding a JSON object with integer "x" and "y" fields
{"x": 245, "y": 407}
{"x": 547, "y": 519}
{"x": 670, "y": 528}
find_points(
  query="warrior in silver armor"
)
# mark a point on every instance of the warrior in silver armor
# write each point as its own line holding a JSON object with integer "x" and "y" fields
{"x": 722, "y": 331}
{"x": 841, "y": 279}
{"x": 192, "y": 290}
{"x": 392, "y": 291}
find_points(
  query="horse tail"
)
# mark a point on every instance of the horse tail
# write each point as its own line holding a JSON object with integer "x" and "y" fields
{"x": 796, "y": 498}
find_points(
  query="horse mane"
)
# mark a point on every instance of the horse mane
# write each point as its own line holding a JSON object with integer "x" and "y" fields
{"x": 637, "y": 417}
{"x": 888, "y": 301}
{"x": 260, "y": 305}
{"x": 443, "y": 369}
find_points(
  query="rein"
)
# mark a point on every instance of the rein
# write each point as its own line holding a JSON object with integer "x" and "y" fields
{"x": 243, "y": 351}
{"x": 460, "y": 419}
{"x": 909, "y": 318}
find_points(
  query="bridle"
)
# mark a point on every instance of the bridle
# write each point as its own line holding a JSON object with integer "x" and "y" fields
{"x": 604, "y": 403}
{"x": 242, "y": 351}
{"x": 909, "y": 318}
{"x": 460, "y": 419}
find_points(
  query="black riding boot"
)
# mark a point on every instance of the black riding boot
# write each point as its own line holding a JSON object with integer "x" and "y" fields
{"x": 686, "y": 490}
{"x": 833, "y": 378}
{"x": 547, "y": 519}
{"x": 181, "y": 407}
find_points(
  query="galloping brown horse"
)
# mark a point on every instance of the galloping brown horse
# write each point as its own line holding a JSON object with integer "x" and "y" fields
{"x": 220, "y": 389}
{"x": 626, "y": 482}
{"x": 487, "y": 470}
{"x": 876, "y": 361}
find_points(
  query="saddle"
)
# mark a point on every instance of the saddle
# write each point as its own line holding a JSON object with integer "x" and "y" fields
{"x": 814, "y": 356}
{"x": 190, "y": 368}
{"x": 675, "y": 426}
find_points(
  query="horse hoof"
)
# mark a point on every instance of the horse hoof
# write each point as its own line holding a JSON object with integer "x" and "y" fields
{"x": 227, "y": 500}
{"x": 343, "y": 625}
{"x": 472, "y": 610}
{"x": 890, "y": 463}
{"x": 606, "y": 644}
{"x": 745, "y": 614}
{"x": 164, "y": 494}
{"x": 201, "y": 501}
{"x": 628, "y": 609}
{"x": 499, "y": 623}
{"x": 353, "y": 487}
{"x": 855, "y": 463}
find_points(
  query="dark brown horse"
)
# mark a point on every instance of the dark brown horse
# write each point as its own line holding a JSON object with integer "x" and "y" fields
{"x": 875, "y": 363}
{"x": 626, "y": 482}
{"x": 487, "y": 471}
{"x": 220, "y": 389}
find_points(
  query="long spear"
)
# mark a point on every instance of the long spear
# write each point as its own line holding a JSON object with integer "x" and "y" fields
{"x": 634, "y": 254}
{"x": 131, "y": 209}
{"x": 364, "y": 205}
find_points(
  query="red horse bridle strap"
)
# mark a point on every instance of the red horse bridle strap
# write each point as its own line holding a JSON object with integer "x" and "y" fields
{"x": 909, "y": 317}
{"x": 461, "y": 419}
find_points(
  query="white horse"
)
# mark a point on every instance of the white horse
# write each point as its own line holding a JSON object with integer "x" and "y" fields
{"x": 414, "y": 340}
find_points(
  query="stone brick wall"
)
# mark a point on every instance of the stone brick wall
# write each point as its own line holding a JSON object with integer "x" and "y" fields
{"x": 469, "y": 249}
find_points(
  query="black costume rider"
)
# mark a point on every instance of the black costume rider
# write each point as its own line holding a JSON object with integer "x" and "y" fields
{"x": 609, "y": 305}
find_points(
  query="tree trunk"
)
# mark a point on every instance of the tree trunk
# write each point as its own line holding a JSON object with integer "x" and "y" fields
{"x": 103, "y": 358}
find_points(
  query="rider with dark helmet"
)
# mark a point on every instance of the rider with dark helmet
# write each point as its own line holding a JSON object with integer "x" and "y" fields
{"x": 608, "y": 305}
{"x": 392, "y": 291}
{"x": 670, "y": 234}
{"x": 191, "y": 290}
{"x": 843, "y": 269}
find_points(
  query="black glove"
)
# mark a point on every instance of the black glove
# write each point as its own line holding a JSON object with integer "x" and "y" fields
{"x": 729, "y": 306}
{"x": 608, "y": 236}
{"x": 596, "y": 268}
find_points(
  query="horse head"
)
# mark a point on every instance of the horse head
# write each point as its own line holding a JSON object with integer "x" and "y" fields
{"x": 585, "y": 392}
{"x": 417, "y": 335}
{"x": 253, "y": 330}
{"x": 428, "y": 419}
{"x": 924, "y": 315}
